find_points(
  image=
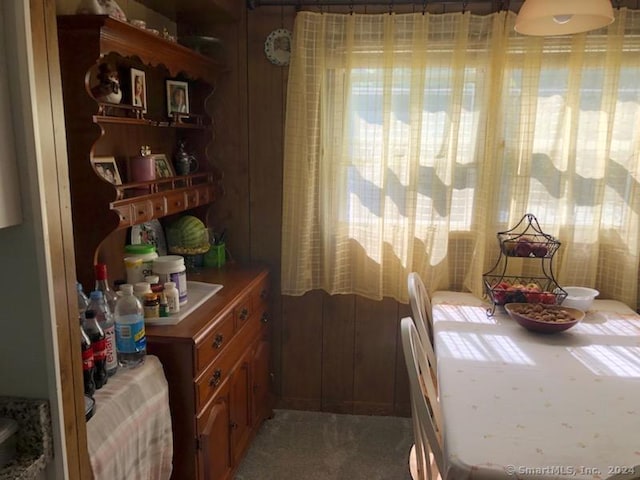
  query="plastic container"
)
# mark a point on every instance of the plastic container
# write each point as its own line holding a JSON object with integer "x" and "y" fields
{"x": 140, "y": 289}
{"x": 8, "y": 440}
{"x": 173, "y": 297}
{"x": 579, "y": 297}
{"x": 131, "y": 341}
{"x": 138, "y": 261}
{"x": 171, "y": 268}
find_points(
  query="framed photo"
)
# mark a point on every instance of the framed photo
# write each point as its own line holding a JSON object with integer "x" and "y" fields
{"x": 177, "y": 97}
{"x": 163, "y": 166}
{"x": 107, "y": 168}
{"x": 138, "y": 89}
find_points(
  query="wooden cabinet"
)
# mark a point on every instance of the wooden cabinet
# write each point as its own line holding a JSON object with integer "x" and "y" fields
{"x": 217, "y": 364}
{"x": 98, "y": 131}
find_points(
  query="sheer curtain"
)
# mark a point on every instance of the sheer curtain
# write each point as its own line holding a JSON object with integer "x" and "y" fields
{"x": 411, "y": 139}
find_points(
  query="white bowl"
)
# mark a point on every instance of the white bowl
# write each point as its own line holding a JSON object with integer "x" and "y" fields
{"x": 579, "y": 297}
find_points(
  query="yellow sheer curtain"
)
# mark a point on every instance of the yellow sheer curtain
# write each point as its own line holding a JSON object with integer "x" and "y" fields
{"x": 411, "y": 139}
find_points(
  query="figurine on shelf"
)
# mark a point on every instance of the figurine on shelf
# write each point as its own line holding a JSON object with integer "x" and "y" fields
{"x": 108, "y": 90}
{"x": 185, "y": 162}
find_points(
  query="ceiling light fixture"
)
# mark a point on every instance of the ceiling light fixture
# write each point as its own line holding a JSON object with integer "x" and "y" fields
{"x": 563, "y": 17}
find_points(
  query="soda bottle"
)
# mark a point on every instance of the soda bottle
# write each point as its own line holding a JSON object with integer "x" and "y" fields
{"x": 99, "y": 343}
{"x": 104, "y": 316}
{"x": 88, "y": 366}
{"x": 131, "y": 342}
{"x": 102, "y": 284}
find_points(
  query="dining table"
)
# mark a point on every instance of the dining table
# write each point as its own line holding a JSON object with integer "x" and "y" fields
{"x": 518, "y": 404}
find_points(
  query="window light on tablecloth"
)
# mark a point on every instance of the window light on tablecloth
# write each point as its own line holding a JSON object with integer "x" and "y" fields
{"x": 554, "y": 17}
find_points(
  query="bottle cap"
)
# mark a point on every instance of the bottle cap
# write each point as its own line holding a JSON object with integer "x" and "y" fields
{"x": 126, "y": 289}
{"x": 96, "y": 294}
{"x": 169, "y": 285}
{"x": 150, "y": 296}
{"x": 152, "y": 279}
{"x": 100, "y": 270}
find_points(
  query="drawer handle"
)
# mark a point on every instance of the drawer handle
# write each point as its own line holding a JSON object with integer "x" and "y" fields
{"x": 214, "y": 381}
{"x": 141, "y": 213}
{"x": 264, "y": 318}
{"x": 217, "y": 343}
{"x": 244, "y": 313}
{"x": 264, "y": 294}
{"x": 233, "y": 425}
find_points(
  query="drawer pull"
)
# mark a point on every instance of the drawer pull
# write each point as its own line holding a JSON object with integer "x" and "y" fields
{"x": 264, "y": 318}
{"x": 217, "y": 343}
{"x": 214, "y": 381}
{"x": 244, "y": 313}
{"x": 264, "y": 294}
{"x": 233, "y": 425}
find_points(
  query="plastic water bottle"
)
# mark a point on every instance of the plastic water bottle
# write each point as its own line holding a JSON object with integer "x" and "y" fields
{"x": 131, "y": 342}
{"x": 104, "y": 315}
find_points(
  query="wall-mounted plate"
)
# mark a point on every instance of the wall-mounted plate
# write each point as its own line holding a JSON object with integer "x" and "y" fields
{"x": 277, "y": 47}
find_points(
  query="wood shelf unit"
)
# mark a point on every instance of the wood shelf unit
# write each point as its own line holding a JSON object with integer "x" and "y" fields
{"x": 95, "y": 129}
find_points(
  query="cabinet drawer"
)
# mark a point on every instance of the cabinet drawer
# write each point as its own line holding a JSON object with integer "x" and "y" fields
{"x": 124, "y": 212}
{"x": 242, "y": 312}
{"x": 203, "y": 195}
{"x": 214, "y": 377}
{"x": 159, "y": 205}
{"x": 213, "y": 343}
{"x": 191, "y": 197}
{"x": 261, "y": 295}
{"x": 141, "y": 211}
{"x": 175, "y": 202}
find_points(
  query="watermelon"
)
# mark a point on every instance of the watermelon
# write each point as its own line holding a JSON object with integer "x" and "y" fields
{"x": 188, "y": 235}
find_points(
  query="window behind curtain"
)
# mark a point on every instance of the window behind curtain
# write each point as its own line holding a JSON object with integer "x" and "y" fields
{"x": 412, "y": 139}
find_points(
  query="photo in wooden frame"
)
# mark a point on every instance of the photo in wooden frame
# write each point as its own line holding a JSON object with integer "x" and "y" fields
{"x": 163, "y": 166}
{"x": 177, "y": 97}
{"x": 139, "y": 89}
{"x": 107, "y": 168}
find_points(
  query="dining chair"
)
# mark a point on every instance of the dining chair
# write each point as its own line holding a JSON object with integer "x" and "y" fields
{"x": 421, "y": 312}
{"x": 426, "y": 457}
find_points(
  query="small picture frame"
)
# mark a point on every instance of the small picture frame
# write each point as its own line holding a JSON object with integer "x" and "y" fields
{"x": 177, "y": 97}
{"x": 107, "y": 168}
{"x": 139, "y": 89}
{"x": 163, "y": 166}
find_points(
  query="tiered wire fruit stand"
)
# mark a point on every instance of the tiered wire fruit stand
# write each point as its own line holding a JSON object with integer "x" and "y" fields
{"x": 526, "y": 240}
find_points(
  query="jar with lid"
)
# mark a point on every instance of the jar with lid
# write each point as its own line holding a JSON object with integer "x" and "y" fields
{"x": 171, "y": 268}
{"x": 138, "y": 261}
{"x": 151, "y": 306}
{"x": 140, "y": 289}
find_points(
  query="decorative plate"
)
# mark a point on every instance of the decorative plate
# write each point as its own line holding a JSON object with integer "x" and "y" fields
{"x": 277, "y": 47}
{"x": 151, "y": 233}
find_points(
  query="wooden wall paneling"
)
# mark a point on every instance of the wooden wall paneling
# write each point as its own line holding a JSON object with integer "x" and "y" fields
{"x": 302, "y": 351}
{"x": 267, "y": 98}
{"x": 376, "y": 332}
{"x": 402, "y": 398}
{"x": 229, "y": 148}
{"x": 338, "y": 351}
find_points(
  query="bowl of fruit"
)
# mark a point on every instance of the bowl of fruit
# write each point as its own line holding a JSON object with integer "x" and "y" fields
{"x": 540, "y": 318}
{"x": 503, "y": 290}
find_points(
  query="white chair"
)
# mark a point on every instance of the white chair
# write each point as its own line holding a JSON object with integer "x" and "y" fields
{"x": 421, "y": 312}
{"x": 425, "y": 408}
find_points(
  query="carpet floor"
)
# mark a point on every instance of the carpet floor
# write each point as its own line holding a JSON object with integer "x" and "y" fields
{"x": 300, "y": 445}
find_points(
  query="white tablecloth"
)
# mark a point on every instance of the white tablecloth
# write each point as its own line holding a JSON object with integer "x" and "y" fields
{"x": 129, "y": 437}
{"x": 517, "y": 404}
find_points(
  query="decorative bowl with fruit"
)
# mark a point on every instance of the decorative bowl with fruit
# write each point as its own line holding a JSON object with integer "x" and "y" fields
{"x": 544, "y": 318}
{"x": 503, "y": 289}
{"x": 538, "y": 245}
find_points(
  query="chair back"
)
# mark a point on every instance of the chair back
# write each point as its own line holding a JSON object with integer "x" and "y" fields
{"x": 421, "y": 312}
{"x": 425, "y": 408}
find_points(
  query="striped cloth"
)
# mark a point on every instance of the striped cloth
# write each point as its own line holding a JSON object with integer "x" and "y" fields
{"x": 130, "y": 434}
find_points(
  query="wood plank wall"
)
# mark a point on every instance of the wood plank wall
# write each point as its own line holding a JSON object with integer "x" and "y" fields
{"x": 332, "y": 353}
